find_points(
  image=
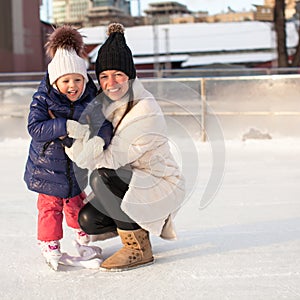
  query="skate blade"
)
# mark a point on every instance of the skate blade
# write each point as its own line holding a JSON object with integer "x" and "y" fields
{"x": 53, "y": 262}
{"x": 53, "y": 265}
{"x": 78, "y": 261}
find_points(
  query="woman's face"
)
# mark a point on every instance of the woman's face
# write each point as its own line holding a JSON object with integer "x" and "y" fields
{"x": 71, "y": 85}
{"x": 114, "y": 84}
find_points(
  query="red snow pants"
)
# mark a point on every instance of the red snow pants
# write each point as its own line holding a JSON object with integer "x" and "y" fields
{"x": 50, "y": 215}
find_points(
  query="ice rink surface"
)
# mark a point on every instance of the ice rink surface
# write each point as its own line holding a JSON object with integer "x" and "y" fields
{"x": 244, "y": 245}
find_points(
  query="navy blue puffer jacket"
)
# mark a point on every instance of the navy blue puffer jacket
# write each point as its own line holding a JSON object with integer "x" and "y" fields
{"x": 48, "y": 169}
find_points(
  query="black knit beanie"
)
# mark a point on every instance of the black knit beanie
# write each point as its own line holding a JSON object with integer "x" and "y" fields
{"x": 114, "y": 54}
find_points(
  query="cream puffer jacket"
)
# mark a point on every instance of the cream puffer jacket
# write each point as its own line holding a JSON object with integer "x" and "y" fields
{"x": 157, "y": 188}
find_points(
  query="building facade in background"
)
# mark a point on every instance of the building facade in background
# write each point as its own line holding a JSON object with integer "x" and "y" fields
{"x": 69, "y": 11}
{"x": 23, "y": 35}
{"x": 103, "y": 12}
{"x": 266, "y": 12}
{"x": 263, "y": 12}
{"x": 165, "y": 12}
{"x": 87, "y": 13}
{"x": 21, "y": 44}
{"x": 231, "y": 16}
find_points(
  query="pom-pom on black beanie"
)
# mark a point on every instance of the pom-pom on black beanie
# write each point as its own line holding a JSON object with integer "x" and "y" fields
{"x": 114, "y": 54}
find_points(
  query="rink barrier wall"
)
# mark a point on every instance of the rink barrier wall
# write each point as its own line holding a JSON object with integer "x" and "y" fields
{"x": 268, "y": 103}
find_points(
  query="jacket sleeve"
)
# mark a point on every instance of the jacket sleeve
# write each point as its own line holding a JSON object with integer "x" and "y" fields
{"x": 40, "y": 126}
{"x": 106, "y": 132}
{"x": 140, "y": 136}
{"x": 99, "y": 126}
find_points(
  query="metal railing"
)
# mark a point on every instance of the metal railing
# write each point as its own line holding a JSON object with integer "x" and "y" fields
{"x": 232, "y": 99}
{"x": 167, "y": 73}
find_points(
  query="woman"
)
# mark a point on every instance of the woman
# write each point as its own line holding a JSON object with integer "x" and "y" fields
{"x": 137, "y": 184}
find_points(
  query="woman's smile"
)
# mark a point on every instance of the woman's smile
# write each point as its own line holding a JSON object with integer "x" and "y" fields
{"x": 114, "y": 84}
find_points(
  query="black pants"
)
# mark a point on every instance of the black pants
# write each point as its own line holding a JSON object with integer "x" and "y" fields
{"x": 103, "y": 213}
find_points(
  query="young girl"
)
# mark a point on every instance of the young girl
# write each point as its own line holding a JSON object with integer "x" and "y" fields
{"x": 138, "y": 186}
{"x": 62, "y": 96}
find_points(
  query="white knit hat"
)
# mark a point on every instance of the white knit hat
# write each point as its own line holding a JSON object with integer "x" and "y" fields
{"x": 66, "y": 62}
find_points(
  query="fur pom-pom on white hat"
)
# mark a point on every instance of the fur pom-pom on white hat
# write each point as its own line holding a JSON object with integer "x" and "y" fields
{"x": 65, "y": 47}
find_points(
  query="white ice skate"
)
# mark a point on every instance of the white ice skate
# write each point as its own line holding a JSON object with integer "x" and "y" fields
{"x": 81, "y": 237}
{"x": 90, "y": 257}
{"x": 88, "y": 252}
{"x": 51, "y": 252}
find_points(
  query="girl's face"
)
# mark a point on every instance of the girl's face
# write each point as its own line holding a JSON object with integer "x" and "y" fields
{"x": 114, "y": 84}
{"x": 71, "y": 85}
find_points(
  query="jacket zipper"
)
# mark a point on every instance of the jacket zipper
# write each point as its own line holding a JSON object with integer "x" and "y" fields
{"x": 69, "y": 161}
{"x": 45, "y": 146}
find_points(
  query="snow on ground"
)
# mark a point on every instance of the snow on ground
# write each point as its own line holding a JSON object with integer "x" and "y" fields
{"x": 244, "y": 245}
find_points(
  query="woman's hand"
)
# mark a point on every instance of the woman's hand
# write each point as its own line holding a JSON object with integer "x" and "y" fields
{"x": 76, "y": 130}
{"x": 84, "y": 152}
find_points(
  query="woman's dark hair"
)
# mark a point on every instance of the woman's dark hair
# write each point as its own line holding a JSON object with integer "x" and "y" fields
{"x": 128, "y": 107}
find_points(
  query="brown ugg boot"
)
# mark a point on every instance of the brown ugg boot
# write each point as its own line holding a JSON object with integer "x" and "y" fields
{"x": 136, "y": 251}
